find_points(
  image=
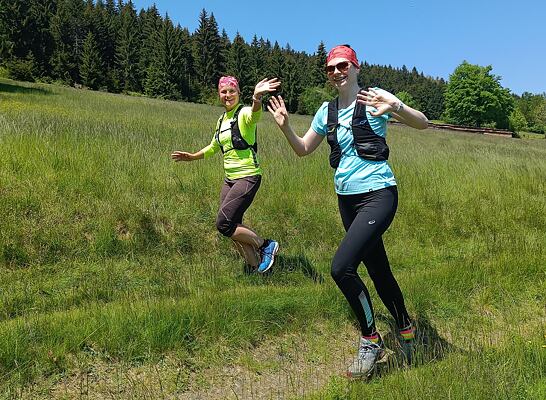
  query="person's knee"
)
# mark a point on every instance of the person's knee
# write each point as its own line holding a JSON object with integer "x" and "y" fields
{"x": 225, "y": 227}
{"x": 338, "y": 271}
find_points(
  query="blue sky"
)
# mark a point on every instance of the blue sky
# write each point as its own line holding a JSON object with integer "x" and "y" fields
{"x": 433, "y": 36}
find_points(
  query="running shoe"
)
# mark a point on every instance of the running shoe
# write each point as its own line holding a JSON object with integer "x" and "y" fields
{"x": 369, "y": 353}
{"x": 268, "y": 251}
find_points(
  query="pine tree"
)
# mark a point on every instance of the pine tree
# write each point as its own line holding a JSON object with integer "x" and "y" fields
{"x": 291, "y": 79}
{"x": 189, "y": 90}
{"x": 152, "y": 24}
{"x": 165, "y": 77}
{"x": 128, "y": 49}
{"x": 275, "y": 62}
{"x": 223, "y": 53}
{"x": 318, "y": 76}
{"x": 91, "y": 68}
{"x": 238, "y": 66}
{"x": 42, "y": 44}
{"x": 68, "y": 32}
{"x": 255, "y": 61}
{"x": 206, "y": 50}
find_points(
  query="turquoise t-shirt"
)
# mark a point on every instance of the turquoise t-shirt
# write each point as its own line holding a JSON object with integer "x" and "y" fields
{"x": 355, "y": 174}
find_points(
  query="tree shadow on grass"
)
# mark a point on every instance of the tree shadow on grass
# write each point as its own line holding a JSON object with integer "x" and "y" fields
{"x": 9, "y": 88}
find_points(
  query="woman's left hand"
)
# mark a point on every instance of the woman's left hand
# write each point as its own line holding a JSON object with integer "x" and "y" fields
{"x": 383, "y": 101}
{"x": 266, "y": 86}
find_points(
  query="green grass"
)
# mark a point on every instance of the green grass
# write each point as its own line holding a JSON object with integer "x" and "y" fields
{"x": 108, "y": 250}
{"x": 531, "y": 135}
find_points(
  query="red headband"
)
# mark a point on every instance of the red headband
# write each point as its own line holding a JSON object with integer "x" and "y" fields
{"x": 343, "y": 52}
{"x": 228, "y": 81}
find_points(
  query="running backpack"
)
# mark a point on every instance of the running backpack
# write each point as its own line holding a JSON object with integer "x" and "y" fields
{"x": 237, "y": 140}
{"x": 367, "y": 143}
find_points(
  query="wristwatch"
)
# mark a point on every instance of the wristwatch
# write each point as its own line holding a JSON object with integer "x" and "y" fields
{"x": 400, "y": 106}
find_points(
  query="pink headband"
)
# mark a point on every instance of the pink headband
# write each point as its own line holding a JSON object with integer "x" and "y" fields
{"x": 228, "y": 81}
{"x": 343, "y": 52}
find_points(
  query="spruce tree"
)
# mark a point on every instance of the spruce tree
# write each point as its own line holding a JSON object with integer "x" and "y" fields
{"x": 42, "y": 44}
{"x": 318, "y": 75}
{"x": 152, "y": 24}
{"x": 68, "y": 32}
{"x": 164, "y": 77}
{"x": 223, "y": 53}
{"x": 238, "y": 66}
{"x": 128, "y": 49}
{"x": 255, "y": 61}
{"x": 91, "y": 68}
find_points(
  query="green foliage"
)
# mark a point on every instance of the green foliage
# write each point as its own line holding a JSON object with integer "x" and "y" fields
{"x": 474, "y": 97}
{"x": 164, "y": 76}
{"x": 533, "y": 108}
{"x": 206, "y": 47}
{"x": 128, "y": 48}
{"x": 427, "y": 92}
{"x": 92, "y": 67}
{"x": 408, "y": 99}
{"x": 237, "y": 66}
{"x": 518, "y": 122}
{"x": 22, "y": 69}
{"x": 318, "y": 75}
{"x": 68, "y": 32}
{"x": 312, "y": 98}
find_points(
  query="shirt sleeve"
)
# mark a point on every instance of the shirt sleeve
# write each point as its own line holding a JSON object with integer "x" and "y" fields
{"x": 247, "y": 123}
{"x": 320, "y": 123}
{"x": 211, "y": 149}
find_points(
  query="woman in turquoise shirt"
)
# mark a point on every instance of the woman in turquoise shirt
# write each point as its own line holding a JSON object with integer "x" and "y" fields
{"x": 355, "y": 124}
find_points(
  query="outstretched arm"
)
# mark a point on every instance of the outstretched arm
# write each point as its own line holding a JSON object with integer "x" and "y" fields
{"x": 386, "y": 102}
{"x": 185, "y": 156}
{"x": 301, "y": 145}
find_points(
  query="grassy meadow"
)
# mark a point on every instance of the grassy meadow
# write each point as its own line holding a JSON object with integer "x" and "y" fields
{"x": 115, "y": 284}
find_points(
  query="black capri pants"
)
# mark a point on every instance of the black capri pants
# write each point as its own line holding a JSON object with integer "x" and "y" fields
{"x": 235, "y": 198}
{"x": 366, "y": 216}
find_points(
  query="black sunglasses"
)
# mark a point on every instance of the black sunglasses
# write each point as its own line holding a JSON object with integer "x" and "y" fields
{"x": 342, "y": 66}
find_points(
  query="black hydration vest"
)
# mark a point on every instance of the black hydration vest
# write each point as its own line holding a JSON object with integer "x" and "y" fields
{"x": 367, "y": 143}
{"x": 237, "y": 140}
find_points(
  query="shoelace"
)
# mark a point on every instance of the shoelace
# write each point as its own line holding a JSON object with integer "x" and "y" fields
{"x": 365, "y": 348}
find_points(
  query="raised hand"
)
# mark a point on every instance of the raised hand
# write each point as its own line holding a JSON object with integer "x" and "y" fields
{"x": 278, "y": 109}
{"x": 182, "y": 156}
{"x": 266, "y": 86}
{"x": 383, "y": 101}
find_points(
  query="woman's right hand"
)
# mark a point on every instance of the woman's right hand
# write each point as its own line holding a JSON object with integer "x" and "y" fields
{"x": 277, "y": 107}
{"x": 182, "y": 156}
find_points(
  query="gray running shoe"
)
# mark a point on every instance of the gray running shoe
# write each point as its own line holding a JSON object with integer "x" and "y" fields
{"x": 369, "y": 354}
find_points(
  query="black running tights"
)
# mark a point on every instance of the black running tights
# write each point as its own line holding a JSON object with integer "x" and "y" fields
{"x": 366, "y": 217}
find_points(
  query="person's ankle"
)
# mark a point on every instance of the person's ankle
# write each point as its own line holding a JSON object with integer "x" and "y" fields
{"x": 374, "y": 337}
{"x": 408, "y": 332}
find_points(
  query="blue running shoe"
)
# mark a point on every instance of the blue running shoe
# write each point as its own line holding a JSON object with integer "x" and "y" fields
{"x": 268, "y": 251}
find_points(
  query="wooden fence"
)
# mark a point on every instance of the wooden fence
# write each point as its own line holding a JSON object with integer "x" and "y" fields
{"x": 461, "y": 128}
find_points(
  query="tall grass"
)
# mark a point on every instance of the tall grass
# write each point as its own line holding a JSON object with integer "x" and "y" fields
{"x": 107, "y": 247}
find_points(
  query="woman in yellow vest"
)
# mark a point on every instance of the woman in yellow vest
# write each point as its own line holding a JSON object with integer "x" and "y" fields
{"x": 235, "y": 137}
